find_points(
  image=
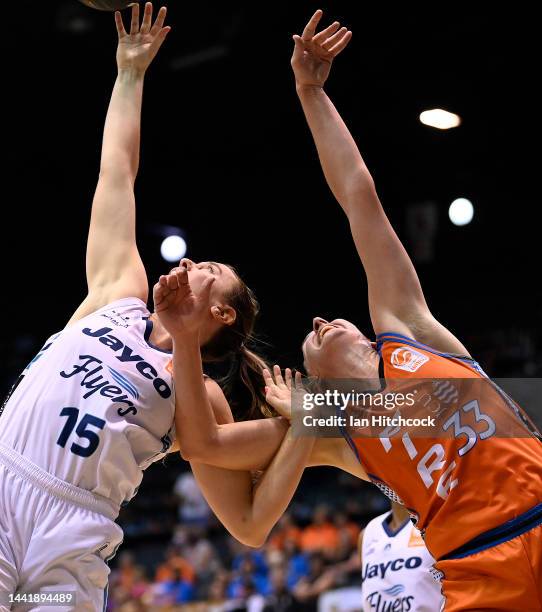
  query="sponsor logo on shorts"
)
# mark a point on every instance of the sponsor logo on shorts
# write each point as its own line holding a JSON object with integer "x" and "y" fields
{"x": 408, "y": 359}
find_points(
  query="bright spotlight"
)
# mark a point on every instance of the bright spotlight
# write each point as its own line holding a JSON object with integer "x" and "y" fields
{"x": 173, "y": 248}
{"x": 461, "y": 211}
{"x": 440, "y": 119}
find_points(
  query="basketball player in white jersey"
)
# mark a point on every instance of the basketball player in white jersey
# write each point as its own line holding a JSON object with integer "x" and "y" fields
{"x": 96, "y": 406}
{"x": 396, "y": 566}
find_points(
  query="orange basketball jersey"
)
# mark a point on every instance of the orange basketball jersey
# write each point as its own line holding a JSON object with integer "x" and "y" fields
{"x": 483, "y": 471}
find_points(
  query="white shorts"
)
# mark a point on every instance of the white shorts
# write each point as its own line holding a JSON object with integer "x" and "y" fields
{"x": 53, "y": 537}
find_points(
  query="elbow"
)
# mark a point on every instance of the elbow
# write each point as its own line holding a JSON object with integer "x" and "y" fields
{"x": 361, "y": 188}
{"x": 199, "y": 451}
{"x": 117, "y": 170}
{"x": 254, "y": 538}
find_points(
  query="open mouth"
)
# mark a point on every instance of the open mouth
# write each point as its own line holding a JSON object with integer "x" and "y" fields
{"x": 324, "y": 329}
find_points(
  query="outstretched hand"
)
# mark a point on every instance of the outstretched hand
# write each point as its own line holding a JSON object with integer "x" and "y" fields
{"x": 315, "y": 52}
{"x": 179, "y": 309}
{"x": 279, "y": 391}
{"x": 137, "y": 49}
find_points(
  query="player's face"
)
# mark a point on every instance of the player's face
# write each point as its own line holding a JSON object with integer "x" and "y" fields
{"x": 225, "y": 278}
{"x": 338, "y": 349}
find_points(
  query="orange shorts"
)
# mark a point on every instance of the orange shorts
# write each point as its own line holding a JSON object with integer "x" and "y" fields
{"x": 507, "y": 576}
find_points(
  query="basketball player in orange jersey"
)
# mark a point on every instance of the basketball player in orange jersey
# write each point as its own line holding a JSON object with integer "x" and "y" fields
{"x": 477, "y": 497}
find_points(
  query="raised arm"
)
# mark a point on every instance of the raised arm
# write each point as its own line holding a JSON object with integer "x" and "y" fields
{"x": 396, "y": 300}
{"x": 113, "y": 266}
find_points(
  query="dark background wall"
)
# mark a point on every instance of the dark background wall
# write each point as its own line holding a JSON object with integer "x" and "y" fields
{"x": 227, "y": 156}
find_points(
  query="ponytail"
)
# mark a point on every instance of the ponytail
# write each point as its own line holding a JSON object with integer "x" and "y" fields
{"x": 243, "y": 383}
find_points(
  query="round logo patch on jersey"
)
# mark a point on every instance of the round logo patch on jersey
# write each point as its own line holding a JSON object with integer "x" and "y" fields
{"x": 408, "y": 359}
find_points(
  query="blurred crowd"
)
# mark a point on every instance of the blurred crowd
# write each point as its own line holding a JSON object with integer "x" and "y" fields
{"x": 308, "y": 554}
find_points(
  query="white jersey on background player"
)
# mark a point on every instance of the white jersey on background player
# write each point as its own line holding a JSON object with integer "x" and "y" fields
{"x": 396, "y": 566}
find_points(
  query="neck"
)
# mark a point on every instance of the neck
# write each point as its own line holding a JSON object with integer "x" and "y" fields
{"x": 360, "y": 362}
{"x": 398, "y": 516}
{"x": 159, "y": 335}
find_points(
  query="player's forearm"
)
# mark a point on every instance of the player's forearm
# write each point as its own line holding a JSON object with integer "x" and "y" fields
{"x": 248, "y": 511}
{"x": 121, "y": 139}
{"x": 279, "y": 483}
{"x": 249, "y": 445}
{"x": 342, "y": 163}
{"x": 195, "y": 423}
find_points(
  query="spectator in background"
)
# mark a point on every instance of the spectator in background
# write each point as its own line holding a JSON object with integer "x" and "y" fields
{"x": 309, "y": 588}
{"x": 123, "y": 577}
{"x": 171, "y": 592}
{"x": 285, "y": 531}
{"x": 140, "y": 585}
{"x": 242, "y": 552}
{"x": 247, "y": 574}
{"x": 193, "y": 508}
{"x": 347, "y": 536}
{"x": 321, "y": 536}
{"x": 197, "y": 549}
{"x": 217, "y": 600}
{"x": 298, "y": 563}
{"x": 174, "y": 563}
{"x": 280, "y": 598}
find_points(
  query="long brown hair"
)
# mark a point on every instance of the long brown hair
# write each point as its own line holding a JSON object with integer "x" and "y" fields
{"x": 233, "y": 345}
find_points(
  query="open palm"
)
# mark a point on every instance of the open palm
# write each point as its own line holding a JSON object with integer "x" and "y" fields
{"x": 137, "y": 49}
{"x": 279, "y": 391}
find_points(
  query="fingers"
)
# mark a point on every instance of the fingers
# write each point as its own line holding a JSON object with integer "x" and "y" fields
{"x": 298, "y": 383}
{"x": 326, "y": 33}
{"x": 328, "y": 43}
{"x": 159, "y": 23}
{"x": 181, "y": 274}
{"x": 172, "y": 282}
{"x": 278, "y": 375}
{"x": 276, "y": 379}
{"x": 147, "y": 19}
{"x": 341, "y": 44}
{"x": 288, "y": 377}
{"x": 120, "y": 25}
{"x": 310, "y": 28}
{"x": 268, "y": 379}
{"x": 299, "y": 48}
{"x": 160, "y": 291}
{"x": 159, "y": 39}
{"x": 134, "y": 27}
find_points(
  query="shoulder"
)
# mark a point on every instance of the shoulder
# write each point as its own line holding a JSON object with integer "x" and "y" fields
{"x": 93, "y": 305}
{"x": 403, "y": 356}
{"x": 218, "y": 401}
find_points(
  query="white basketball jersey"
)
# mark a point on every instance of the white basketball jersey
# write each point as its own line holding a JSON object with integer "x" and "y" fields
{"x": 395, "y": 571}
{"x": 96, "y": 406}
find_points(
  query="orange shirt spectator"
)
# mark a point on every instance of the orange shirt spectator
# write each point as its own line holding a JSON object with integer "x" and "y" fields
{"x": 286, "y": 531}
{"x": 166, "y": 571}
{"x": 322, "y": 535}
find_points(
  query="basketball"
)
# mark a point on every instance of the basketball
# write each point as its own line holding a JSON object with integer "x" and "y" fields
{"x": 108, "y": 5}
